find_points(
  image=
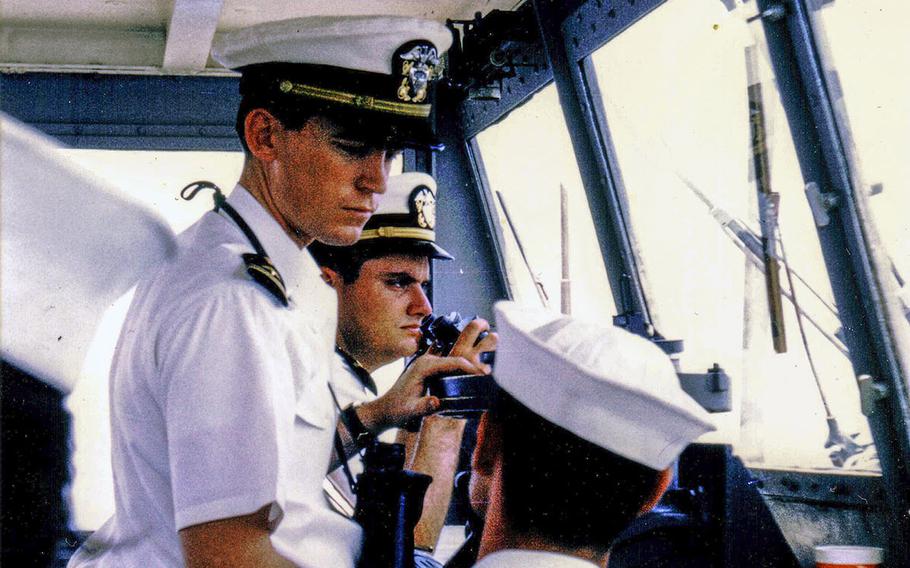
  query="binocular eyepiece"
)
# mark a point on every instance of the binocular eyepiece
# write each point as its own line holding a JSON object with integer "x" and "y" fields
{"x": 389, "y": 504}
{"x": 441, "y": 332}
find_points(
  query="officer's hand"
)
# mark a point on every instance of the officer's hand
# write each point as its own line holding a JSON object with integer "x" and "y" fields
{"x": 405, "y": 400}
{"x": 468, "y": 347}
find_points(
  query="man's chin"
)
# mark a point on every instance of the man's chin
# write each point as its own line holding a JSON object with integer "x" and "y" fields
{"x": 341, "y": 236}
{"x": 408, "y": 348}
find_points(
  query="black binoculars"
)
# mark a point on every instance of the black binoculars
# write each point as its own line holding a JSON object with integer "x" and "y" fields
{"x": 389, "y": 504}
{"x": 460, "y": 395}
{"x": 441, "y": 332}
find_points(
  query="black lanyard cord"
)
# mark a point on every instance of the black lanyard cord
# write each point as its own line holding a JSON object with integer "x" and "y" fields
{"x": 192, "y": 189}
{"x": 359, "y": 371}
{"x": 339, "y": 447}
{"x": 258, "y": 265}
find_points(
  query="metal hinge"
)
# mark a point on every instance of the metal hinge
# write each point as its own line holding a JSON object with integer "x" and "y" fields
{"x": 773, "y": 13}
{"x": 870, "y": 392}
{"x": 820, "y": 203}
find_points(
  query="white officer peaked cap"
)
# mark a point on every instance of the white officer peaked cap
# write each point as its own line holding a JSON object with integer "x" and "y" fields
{"x": 363, "y": 43}
{"x": 406, "y": 218}
{"x": 377, "y": 73}
{"x": 602, "y": 383}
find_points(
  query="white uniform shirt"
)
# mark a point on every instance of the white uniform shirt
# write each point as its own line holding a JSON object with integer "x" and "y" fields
{"x": 531, "y": 559}
{"x": 219, "y": 402}
{"x": 346, "y": 384}
{"x": 348, "y": 389}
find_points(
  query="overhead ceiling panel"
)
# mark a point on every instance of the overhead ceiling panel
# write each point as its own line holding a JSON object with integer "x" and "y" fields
{"x": 81, "y": 13}
{"x": 167, "y": 36}
{"x": 238, "y": 13}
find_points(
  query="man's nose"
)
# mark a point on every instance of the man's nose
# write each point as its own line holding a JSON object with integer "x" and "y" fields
{"x": 420, "y": 303}
{"x": 374, "y": 172}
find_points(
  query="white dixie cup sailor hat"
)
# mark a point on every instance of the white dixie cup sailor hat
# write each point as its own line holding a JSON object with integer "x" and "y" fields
{"x": 377, "y": 67}
{"x": 602, "y": 383}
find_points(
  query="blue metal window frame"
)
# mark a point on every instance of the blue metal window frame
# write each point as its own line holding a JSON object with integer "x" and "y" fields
{"x": 151, "y": 112}
{"x": 531, "y": 75}
{"x": 824, "y": 159}
{"x": 491, "y": 217}
{"x": 550, "y": 62}
{"x": 571, "y": 33}
{"x": 126, "y": 112}
{"x": 466, "y": 226}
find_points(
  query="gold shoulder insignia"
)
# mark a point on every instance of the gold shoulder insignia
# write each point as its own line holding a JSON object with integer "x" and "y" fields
{"x": 261, "y": 269}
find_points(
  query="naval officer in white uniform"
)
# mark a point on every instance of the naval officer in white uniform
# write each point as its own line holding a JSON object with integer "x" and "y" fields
{"x": 381, "y": 282}
{"x": 222, "y": 421}
{"x": 580, "y": 442}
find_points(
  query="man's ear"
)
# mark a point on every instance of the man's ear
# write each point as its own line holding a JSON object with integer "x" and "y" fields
{"x": 488, "y": 446}
{"x": 260, "y": 130}
{"x": 330, "y": 277}
{"x": 666, "y": 476}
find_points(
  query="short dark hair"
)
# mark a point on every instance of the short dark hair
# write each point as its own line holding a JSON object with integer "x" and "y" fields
{"x": 254, "y": 94}
{"x": 562, "y": 488}
{"x": 347, "y": 261}
{"x": 291, "y": 121}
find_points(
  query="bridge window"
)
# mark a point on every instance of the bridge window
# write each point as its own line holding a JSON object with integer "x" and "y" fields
{"x": 675, "y": 94}
{"x": 872, "y": 104}
{"x": 527, "y": 157}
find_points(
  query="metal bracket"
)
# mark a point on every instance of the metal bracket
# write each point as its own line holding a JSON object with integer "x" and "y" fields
{"x": 770, "y": 209}
{"x": 870, "y": 392}
{"x": 635, "y": 322}
{"x": 492, "y": 49}
{"x": 820, "y": 203}
{"x": 711, "y": 390}
{"x": 773, "y": 13}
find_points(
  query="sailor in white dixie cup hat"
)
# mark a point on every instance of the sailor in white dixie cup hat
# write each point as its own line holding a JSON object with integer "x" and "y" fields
{"x": 222, "y": 420}
{"x": 580, "y": 442}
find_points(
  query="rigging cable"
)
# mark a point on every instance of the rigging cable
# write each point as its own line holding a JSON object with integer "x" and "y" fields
{"x": 845, "y": 447}
{"x": 538, "y": 285}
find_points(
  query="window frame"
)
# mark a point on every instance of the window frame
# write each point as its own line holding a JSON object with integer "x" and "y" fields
{"x": 823, "y": 157}
{"x": 572, "y": 32}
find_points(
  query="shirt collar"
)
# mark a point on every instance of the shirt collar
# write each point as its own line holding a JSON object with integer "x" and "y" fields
{"x": 293, "y": 263}
{"x": 310, "y": 297}
{"x": 358, "y": 370}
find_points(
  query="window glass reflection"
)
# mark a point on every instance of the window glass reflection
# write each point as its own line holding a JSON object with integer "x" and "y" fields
{"x": 872, "y": 107}
{"x": 155, "y": 179}
{"x": 675, "y": 95}
{"x": 527, "y": 157}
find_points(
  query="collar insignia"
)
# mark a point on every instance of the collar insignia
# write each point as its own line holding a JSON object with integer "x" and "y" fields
{"x": 423, "y": 203}
{"x": 359, "y": 371}
{"x": 419, "y": 67}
